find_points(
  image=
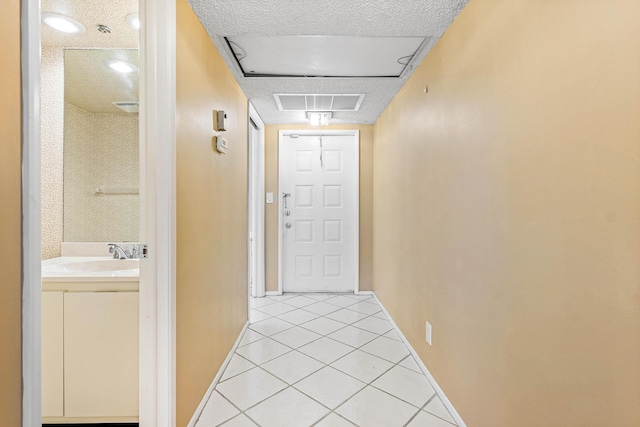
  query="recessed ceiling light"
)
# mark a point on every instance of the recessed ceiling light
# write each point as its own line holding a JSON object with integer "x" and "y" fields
{"x": 133, "y": 20}
{"x": 62, "y": 23}
{"x": 121, "y": 66}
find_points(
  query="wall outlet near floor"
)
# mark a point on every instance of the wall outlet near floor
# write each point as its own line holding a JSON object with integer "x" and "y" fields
{"x": 428, "y": 333}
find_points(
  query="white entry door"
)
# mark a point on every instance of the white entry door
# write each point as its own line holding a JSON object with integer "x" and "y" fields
{"x": 319, "y": 212}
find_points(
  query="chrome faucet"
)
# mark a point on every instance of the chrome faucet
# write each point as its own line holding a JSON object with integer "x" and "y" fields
{"x": 118, "y": 252}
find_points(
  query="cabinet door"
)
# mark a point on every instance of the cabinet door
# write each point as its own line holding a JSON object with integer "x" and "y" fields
{"x": 52, "y": 354}
{"x": 101, "y": 354}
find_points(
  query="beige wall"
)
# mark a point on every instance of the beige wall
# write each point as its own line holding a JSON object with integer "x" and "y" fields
{"x": 507, "y": 212}
{"x": 211, "y": 214}
{"x": 10, "y": 212}
{"x": 51, "y": 153}
{"x": 366, "y": 200}
{"x": 100, "y": 151}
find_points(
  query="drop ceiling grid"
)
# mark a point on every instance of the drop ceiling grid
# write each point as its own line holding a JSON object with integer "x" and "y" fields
{"x": 428, "y": 18}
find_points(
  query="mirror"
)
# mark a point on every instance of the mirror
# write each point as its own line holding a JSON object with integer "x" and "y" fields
{"x": 101, "y": 168}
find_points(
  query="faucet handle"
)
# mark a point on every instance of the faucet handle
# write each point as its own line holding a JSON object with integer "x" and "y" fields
{"x": 112, "y": 247}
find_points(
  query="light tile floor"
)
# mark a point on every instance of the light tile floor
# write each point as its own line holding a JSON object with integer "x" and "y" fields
{"x": 322, "y": 360}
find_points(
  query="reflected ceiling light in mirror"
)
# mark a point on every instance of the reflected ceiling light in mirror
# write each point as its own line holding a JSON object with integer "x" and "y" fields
{"x": 133, "y": 20}
{"x": 121, "y": 66}
{"x": 319, "y": 118}
{"x": 62, "y": 23}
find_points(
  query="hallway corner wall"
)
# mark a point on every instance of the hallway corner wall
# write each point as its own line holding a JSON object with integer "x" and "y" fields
{"x": 11, "y": 214}
{"x": 507, "y": 212}
{"x": 212, "y": 289}
{"x": 366, "y": 201}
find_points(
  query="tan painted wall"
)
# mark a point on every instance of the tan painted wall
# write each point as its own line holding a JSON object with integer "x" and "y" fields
{"x": 211, "y": 214}
{"x": 10, "y": 212}
{"x": 366, "y": 201}
{"x": 507, "y": 212}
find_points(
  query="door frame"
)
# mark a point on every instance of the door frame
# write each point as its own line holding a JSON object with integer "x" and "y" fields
{"x": 157, "y": 185}
{"x": 356, "y": 136}
{"x": 256, "y": 205}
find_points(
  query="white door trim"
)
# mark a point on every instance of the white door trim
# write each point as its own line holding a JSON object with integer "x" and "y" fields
{"x": 256, "y": 169}
{"x": 157, "y": 180}
{"x": 158, "y": 227}
{"x": 31, "y": 225}
{"x": 356, "y": 135}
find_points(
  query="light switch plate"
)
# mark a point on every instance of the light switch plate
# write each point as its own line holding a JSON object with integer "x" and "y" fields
{"x": 269, "y": 197}
{"x": 221, "y": 144}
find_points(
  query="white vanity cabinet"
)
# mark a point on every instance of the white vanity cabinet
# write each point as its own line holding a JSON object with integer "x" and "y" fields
{"x": 90, "y": 355}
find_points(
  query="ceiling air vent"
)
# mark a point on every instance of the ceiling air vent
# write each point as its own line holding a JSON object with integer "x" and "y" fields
{"x": 318, "y": 102}
{"x": 128, "y": 106}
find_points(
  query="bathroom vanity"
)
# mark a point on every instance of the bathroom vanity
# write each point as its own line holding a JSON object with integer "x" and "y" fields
{"x": 89, "y": 343}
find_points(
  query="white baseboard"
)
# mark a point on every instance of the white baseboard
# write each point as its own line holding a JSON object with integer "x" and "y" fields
{"x": 364, "y": 293}
{"x": 443, "y": 397}
{"x": 272, "y": 293}
{"x": 216, "y": 379}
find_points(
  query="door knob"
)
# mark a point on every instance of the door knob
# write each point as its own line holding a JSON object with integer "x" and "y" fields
{"x": 287, "y": 225}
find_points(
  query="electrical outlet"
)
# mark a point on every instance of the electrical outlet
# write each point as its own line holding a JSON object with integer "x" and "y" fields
{"x": 428, "y": 333}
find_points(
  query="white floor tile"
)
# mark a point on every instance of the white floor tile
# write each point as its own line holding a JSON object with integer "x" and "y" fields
{"x": 323, "y": 326}
{"x": 216, "y": 411}
{"x": 341, "y": 301}
{"x": 321, "y": 308}
{"x": 259, "y": 302}
{"x": 380, "y": 315}
{"x": 393, "y": 335}
{"x": 325, "y": 350}
{"x": 373, "y": 324}
{"x": 320, "y": 297}
{"x": 250, "y": 336}
{"x": 374, "y": 408}
{"x": 346, "y": 316}
{"x": 353, "y": 336}
{"x": 292, "y": 367}
{"x": 334, "y": 420}
{"x": 300, "y": 301}
{"x": 262, "y": 351}
{"x": 298, "y": 316}
{"x": 407, "y": 385}
{"x": 365, "y": 307}
{"x": 330, "y": 387}
{"x": 236, "y": 366}
{"x": 282, "y": 297}
{"x": 437, "y": 408}
{"x": 239, "y": 421}
{"x": 276, "y": 308}
{"x": 410, "y": 363}
{"x": 388, "y": 349}
{"x": 271, "y": 326}
{"x": 249, "y": 388}
{"x": 256, "y": 316}
{"x": 288, "y": 408}
{"x": 295, "y": 337}
{"x": 424, "y": 419}
{"x": 362, "y": 366}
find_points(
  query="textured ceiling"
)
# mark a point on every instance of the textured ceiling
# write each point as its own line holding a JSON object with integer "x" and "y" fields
{"x": 425, "y": 18}
{"x": 92, "y": 13}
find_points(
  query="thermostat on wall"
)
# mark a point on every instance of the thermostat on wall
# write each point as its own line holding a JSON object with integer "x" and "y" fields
{"x": 219, "y": 120}
{"x": 221, "y": 144}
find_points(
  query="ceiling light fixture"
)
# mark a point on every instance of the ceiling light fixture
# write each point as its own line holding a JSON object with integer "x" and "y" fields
{"x": 121, "y": 66}
{"x": 133, "y": 20}
{"x": 319, "y": 118}
{"x": 62, "y": 23}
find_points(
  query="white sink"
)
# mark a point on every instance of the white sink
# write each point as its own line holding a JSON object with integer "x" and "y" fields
{"x": 111, "y": 265}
